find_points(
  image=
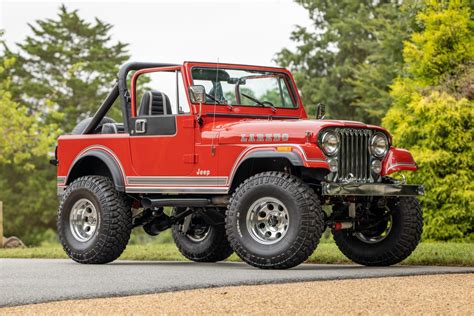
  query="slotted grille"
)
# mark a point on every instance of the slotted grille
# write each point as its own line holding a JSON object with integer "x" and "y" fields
{"x": 354, "y": 156}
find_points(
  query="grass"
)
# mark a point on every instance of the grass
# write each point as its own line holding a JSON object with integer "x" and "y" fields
{"x": 427, "y": 253}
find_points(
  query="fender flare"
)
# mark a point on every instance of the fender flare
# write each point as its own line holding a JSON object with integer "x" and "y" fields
{"x": 293, "y": 157}
{"x": 111, "y": 163}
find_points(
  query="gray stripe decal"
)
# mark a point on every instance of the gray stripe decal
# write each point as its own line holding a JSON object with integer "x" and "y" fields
{"x": 177, "y": 190}
{"x": 217, "y": 181}
{"x": 402, "y": 164}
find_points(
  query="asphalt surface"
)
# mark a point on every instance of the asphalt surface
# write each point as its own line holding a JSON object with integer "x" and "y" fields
{"x": 27, "y": 281}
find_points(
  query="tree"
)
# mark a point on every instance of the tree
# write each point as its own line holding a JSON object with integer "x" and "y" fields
{"x": 24, "y": 140}
{"x": 350, "y": 57}
{"x": 22, "y": 136}
{"x": 68, "y": 63}
{"x": 433, "y": 115}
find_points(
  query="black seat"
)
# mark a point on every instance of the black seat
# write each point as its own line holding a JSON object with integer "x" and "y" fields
{"x": 154, "y": 103}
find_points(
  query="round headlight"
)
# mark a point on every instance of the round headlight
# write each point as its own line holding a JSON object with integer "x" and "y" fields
{"x": 330, "y": 143}
{"x": 379, "y": 145}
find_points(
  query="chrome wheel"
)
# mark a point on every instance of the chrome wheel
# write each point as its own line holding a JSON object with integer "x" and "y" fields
{"x": 83, "y": 220}
{"x": 199, "y": 234}
{"x": 195, "y": 228}
{"x": 378, "y": 236}
{"x": 267, "y": 220}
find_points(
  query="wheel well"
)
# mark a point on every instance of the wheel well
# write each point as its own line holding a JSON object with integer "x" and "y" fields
{"x": 88, "y": 166}
{"x": 253, "y": 166}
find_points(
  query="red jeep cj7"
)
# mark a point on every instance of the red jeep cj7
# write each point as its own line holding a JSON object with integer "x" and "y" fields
{"x": 231, "y": 150}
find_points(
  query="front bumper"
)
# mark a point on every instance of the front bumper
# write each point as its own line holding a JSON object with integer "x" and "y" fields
{"x": 372, "y": 189}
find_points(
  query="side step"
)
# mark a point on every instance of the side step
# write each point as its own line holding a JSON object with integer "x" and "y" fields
{"x": 149, "y": 203}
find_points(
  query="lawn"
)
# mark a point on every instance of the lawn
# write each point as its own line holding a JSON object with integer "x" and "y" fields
{"x": 427, "y": 253}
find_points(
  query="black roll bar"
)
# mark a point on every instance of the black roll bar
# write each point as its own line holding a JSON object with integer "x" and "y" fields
{"x": 120, "y": 90}
{"x": 102, "y": 110}
{"x": 122, "y": 85}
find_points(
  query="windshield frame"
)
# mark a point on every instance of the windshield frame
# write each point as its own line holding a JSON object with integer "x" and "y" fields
{"x": 277, "y": 73}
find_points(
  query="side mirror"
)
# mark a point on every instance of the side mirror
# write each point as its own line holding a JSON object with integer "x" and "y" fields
{"x": 320, "y": 111}
{"x": 197, "y": 94}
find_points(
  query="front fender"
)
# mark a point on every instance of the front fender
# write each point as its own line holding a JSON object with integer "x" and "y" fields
{"x": 398, "y": 159}
{"x": 298, "y": 155}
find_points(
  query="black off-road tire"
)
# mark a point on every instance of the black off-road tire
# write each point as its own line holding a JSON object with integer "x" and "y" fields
{"x": 404, "y": 236}
{"x": 214, "y": 247}
{"x": 114, "y": 221}
{"x": 305, "y": 226}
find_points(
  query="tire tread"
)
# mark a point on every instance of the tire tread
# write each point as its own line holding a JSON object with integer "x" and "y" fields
{"x": 407, "y": 242}
{"x": 310, "y": 231}
{"x": 116, "y": 221}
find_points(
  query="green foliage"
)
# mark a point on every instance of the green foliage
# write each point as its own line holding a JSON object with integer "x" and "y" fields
{"x": 272, "y": 96}
{"x": 69, "y": 63}
{"x": 350, "y": 56}
{"x": 22, "y": 136}
{"x": 438, "y": 130}
{"x": 25, "y": 142}
{"x": 427, "y": 253}
{"x": 30, "y": 201}
{"x": 445, "y": 43}
{"x": 433, "y": 115}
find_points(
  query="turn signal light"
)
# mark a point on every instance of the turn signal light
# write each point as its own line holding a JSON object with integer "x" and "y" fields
{"x": 285, "y": 148}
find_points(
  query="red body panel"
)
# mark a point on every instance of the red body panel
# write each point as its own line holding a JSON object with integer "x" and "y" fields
{"x": 72, "y": 147}
{"x": 206, "y": 156}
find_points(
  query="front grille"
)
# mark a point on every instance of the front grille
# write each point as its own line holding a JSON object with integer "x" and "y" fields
{"x": 354, "y": 155}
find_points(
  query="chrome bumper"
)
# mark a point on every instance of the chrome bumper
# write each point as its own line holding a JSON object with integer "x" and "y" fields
{"x": 372, "y": 189}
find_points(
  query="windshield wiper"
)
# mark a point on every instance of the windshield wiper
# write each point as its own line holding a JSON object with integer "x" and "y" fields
{"x": 229, "y": 106}
{"x": 262, "y": 103}
{"x": 213, "y": 98}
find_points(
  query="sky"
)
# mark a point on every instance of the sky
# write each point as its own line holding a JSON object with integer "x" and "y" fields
{"x": 238, "y": 31}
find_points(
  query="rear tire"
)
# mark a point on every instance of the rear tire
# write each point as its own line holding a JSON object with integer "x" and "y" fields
{"x": 274, "y": 221}
{"x": 402, "y": 238}
{"x": 94, "y": 220}
{"x": 202, "y": 242}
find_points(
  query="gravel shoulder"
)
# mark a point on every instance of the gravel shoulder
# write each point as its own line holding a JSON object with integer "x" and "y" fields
{"x": 430, "y": 294}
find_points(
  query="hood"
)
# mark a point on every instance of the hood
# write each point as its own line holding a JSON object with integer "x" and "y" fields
{"x": 286, "y": 131}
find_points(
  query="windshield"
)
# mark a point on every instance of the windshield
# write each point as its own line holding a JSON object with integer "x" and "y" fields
{"x": 244, "y": 87}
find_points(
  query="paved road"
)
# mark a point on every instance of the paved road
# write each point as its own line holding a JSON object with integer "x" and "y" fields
{"x": 26, "y": 281}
